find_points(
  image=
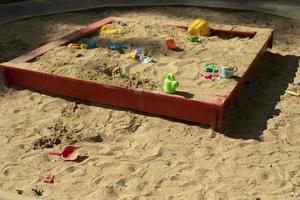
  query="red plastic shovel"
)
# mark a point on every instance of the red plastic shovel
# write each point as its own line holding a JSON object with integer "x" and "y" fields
{"x": 69, "y": 153}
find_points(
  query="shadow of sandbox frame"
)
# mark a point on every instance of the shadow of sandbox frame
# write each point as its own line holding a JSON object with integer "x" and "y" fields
{"x": 208, "y": 113}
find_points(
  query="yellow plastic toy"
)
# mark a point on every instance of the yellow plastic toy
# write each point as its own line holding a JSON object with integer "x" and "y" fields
{"x": 84, "y": 46}
{"x": 198, "y": 27}
{"x": 131, "y": 56}
{"x": 106, "y": 30}
{"x": 78, "y": 46}
{"x": 74, "y": 46}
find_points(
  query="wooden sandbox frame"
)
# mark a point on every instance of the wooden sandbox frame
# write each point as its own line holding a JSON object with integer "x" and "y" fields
{"x": 208, "y": 113}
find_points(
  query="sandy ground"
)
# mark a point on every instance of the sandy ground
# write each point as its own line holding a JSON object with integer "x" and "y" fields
{"x": 114, "y": 68}
{"x": 128, "y": 155}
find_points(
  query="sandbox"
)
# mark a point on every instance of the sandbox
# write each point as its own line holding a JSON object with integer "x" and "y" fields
{"x": 109, "y": 77}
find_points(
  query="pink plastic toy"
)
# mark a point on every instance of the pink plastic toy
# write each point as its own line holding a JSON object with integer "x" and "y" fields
{"x": 209, "y": 75}
{"x": 69, "y": 153}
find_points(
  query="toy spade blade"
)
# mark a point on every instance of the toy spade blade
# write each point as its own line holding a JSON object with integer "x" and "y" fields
{"x": 69, "y": 153}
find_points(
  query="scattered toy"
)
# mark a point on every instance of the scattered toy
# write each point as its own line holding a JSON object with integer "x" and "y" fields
{"x": 296, "y": 83}
{"x": 292, "y": 93}
{"x": 88, "y": 43}
{"x": 132, "y": 56}
{"x": 46, "y": 178}
{"x": 171, "y": 44}
{"x": 74, "y": 46}
{"x": 148, "y": 60}
{"x": 195, "y": 39}
{"x": 170, "y": 84}
{"x": 37, "y": 191}
{"x": 77, "y": 46}
{"x": 106, "y": 30}
{"x": 198, "y": 27}
{"x": 210, "y": 68}
{"x": 117, "y": 47}
{"x": 227, "y": 72}
{"x": 84, "y": 46}
{"x": 91, "y": 44}
{"x": 139, "y": 53}
{"x": 69, "y": 153}
{"x": 209, "y": 75}
{"x": 19, "y": 191}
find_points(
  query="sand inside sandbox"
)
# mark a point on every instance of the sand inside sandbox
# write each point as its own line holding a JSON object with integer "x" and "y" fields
{"x": 114, "y": 68}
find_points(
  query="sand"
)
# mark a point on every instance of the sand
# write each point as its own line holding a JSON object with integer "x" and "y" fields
{"x": 186, "y": 63}
{"x": 129, "y": 155}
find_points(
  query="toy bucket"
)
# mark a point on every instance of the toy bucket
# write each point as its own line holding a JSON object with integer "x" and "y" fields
{"x": 227, "y": 72}
{"x": 171, "y": 44}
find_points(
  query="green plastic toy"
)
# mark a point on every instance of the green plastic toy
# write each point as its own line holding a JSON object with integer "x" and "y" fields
{"x": 210, "y": 68}
{"x": 195, "y": 39}
{"x": 170, "y": 84}
{"x": 292, "y": 93}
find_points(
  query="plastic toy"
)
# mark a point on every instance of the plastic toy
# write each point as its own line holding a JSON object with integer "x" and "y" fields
{"x": 195, "y": 39}
{"x": 74, "y": 46}
{"x": 84, "y": 46}
{"x": 171, "y": 44}
{"x": 147, "y": 60}
{"x": 106, "y": 30}
{"x": 69, "y": 153}
{"x": 37, "y": 191}
{"x": 292, "y": 93}
{"x": 198, "y": 27}
{"x": 209, "y": 75}
{"x": 47, "y": 178}
{"x": 139, "y": 53}
{"x": 91, "y": 44}
{"x": 210, "y": 68}
{"x": 132, "y": 56}
{"x": 296, "y": 83}
{"x": 117, "y": 47}
{"x": 170, "y": 84}
{"x": 77, "y": 46}
{"x": 227, "y": 72}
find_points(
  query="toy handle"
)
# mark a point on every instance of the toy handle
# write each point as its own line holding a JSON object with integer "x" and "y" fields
{"x": 55, "y": 153}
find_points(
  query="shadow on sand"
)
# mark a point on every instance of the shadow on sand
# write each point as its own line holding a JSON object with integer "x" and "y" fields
{"x": 248, "y": 116}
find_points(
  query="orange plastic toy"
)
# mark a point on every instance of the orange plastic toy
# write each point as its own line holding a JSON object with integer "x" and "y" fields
{"x": 171, "y": 44}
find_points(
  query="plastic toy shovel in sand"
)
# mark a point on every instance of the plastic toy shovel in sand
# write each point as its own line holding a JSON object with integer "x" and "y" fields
{"x": 292, "y": 93}
{"x": 69, "y": 153}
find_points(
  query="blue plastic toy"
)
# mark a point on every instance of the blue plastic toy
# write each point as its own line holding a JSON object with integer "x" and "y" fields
{"x": 117, "y": 47}
{"x": 91, "y": 44}
{"x": 139, "y": 53}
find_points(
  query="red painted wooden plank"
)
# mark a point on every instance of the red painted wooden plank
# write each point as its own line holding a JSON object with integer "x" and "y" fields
{"x": 64, "y": 40}
{"x": 3, "y": 81}
{"x": 146, "y": 101}
{"x": 250, "y": 70}
{"x": 210, "y": 113}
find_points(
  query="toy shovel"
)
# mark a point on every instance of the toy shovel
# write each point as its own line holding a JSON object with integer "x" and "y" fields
{"x": 69, "y": 153}
{"x": 292, "y": 93}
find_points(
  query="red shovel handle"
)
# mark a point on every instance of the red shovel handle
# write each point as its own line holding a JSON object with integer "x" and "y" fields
{"x": 55, "y": 153}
